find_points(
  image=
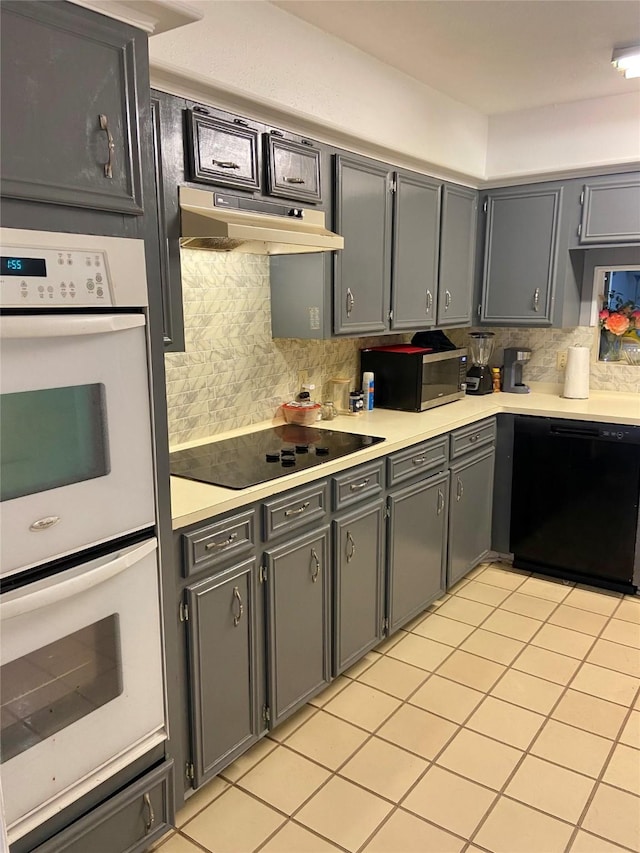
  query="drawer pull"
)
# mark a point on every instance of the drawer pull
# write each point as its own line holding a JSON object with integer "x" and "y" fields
{"x": 151, "y": 817}
{"x": 474, "y": 438}
{"x": 293, "y": 180}
{"x": 418, "y": 460}
{"x": 108, "y": 166}
{"x": 440, "y": 506}
{"x": 225, "y": 164}
{"x": 459, "y": 489}
{"x": 300, "y": 509}
{"x": 350, "y": 552}
{"x": 355, "y": 487}
{"x": 224, "y": 544}
{"x": 316, "y": 571}
{"x": 237, "y": 617}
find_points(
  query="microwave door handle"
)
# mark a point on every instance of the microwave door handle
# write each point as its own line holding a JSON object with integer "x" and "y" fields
{"x": 59, "y": 590}
{"x": 67, "y": 326}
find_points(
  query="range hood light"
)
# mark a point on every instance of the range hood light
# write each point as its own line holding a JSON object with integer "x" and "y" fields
{"x": 627, "y": 61}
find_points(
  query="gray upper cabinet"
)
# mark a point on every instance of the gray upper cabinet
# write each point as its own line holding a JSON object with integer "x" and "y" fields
{"x": 362, "y": 275}
{"x": 359, "y": 563}
{"x": 222, "y": 623}
{"x": 298, "y": 621}
{"x": 521, "y": 247}
{"x": 610, "y": 210}
{"x": 220, "y": 152}
{"x": 69, "y": 130}
{"x": 470, "y": 510}
{"x": 416, "y": 230}
{"x": 417, "y": 534}
{"x": 293, "y": 169}
{"x": 457, "y": 255}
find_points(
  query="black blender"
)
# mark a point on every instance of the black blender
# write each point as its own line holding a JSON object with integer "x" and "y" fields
{"x": 479, "y": 374}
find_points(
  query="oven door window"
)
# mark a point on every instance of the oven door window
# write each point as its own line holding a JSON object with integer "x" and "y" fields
{"x": 55, "y": 686}
{"x": 52, "y": 437}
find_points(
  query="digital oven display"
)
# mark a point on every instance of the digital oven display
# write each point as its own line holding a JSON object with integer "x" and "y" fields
{"x": 23, "y": 266}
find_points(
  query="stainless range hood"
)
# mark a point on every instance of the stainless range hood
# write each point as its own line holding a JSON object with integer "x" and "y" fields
{"x": 225, "y": 223}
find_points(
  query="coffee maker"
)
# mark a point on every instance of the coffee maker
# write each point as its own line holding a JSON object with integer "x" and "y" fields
{"x": 479, "y": 374}
{"x": 514, "y": 358}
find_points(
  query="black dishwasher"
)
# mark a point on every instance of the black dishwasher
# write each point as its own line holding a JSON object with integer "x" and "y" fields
{"x": 575, "y": 495}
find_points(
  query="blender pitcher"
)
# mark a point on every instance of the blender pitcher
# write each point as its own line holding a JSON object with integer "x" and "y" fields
{"x": 479, "y": 374}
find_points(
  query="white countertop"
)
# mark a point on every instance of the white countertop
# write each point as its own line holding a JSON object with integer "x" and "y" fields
{"x": 192, "y": 502}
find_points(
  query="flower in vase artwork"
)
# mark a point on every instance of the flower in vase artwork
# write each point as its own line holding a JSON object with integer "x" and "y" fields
{"x": 619, "y": 318}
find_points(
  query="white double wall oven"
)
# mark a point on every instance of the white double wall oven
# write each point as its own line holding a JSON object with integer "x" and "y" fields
{"x": 81, "y": 678}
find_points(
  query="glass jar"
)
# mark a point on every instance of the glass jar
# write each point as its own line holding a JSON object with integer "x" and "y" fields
{"x": 341, "y": 395}
{"x": 328, "y": 410}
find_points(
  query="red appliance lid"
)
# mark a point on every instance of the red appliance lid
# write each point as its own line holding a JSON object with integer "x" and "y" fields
{"x": 409, "y": 349}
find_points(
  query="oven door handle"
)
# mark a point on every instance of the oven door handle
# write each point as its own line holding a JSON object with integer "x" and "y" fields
{"x": 23, "y": 601}
{"x": 66, "y": 326}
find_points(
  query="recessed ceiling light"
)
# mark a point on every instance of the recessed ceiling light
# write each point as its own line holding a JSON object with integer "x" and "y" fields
{"x": 627, "y": 61}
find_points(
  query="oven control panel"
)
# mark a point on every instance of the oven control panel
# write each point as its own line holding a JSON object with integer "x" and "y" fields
{"x": 54, "y": 277}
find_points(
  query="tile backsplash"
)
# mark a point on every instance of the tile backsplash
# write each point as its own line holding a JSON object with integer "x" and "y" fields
{"x": 233, "y": 373}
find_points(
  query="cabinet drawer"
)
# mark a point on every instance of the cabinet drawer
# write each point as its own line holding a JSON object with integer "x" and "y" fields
{"x": 293, "y": 170}
{"x": 218, "y": 543}
{"x": 222, "y": 153}
{"x": 431, "y": 455}
{"x": 472, "y": 437}
{"x": 294, "y": 510}
{"x": 357, "y": 484}
{"x": 129, "y": 822}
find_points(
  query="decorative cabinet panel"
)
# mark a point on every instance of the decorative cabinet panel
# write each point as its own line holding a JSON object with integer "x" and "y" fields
{"x": 362, "y": 273}
{"x": 470, "y": 510}
{"x": 69, "y": 130}
{"x": 223, "y": 678}
{"x": 458, "y": 231}
{"x": 222, "y": 153}
{"x": 358, "y": 583}
{"x": 417, "y": 537}
{"x": 611, "y": 210}
{"x": 293, "y": 169}
{"x": 416, "y": 231}
{"x": 298, "y": 622}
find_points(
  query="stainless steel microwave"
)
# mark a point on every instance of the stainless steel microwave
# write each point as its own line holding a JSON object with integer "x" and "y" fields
{"x": 413, "y": 379}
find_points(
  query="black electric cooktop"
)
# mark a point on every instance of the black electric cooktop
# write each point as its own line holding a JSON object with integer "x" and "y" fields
{"x": 257, "y": 457}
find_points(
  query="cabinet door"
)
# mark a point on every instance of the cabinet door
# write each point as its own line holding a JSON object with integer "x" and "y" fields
{"x": 416, "y": 228}
{"x": 69, "y": 127}
{"x": 362, "y": 281}
{"x": 357, "y": 591}
{"x": 520, "y": 256}
{"x": 611, "y": 210}
{"x": 293, "y": 170}
{"x": 222, "y": 668}
{"x": 457, "y": 255}
{"x": 470, "y": 509}
{"x": 298, "y": 622}
{"x": 221, "y": 153}
{"x": 416, "y": 548}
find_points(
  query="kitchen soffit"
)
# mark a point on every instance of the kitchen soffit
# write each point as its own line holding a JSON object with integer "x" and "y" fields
{"x": 493, "y": 55}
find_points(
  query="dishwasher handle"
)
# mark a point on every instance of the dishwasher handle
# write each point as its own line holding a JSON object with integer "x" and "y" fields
{"x": 585, "y": 431}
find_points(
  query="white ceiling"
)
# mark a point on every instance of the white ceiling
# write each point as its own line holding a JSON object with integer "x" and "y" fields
{"x": 494, "y": 55}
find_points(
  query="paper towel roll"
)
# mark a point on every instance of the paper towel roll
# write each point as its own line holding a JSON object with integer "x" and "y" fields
{"x": 576, "y": 375}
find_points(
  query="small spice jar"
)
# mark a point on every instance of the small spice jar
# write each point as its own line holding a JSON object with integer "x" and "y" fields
{"x": 495, "y": 378}
{"x": 356, "y": 402}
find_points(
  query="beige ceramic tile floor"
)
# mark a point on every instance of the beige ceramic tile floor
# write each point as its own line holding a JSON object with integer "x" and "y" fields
{"x": 506, "y": 719}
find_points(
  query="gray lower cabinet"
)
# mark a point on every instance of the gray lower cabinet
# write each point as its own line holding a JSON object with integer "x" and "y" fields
{"x": 223, "y": 668}
{"x": 358, "y": 540}
{"x": 69, "y": 132}
{"x": 458, "y": 229}
{"x": 416, "y": 547}
{"x": 298, "y": 621}
{"x": 610, "y": 210}
{"x": 470, "y": 511}
{"x": 128, "y": 822}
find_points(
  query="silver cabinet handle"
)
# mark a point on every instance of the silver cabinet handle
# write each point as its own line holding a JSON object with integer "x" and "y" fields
{"x": 440, "y": 505}
{"x": 536, "y": 299}
{"x": 355, "y": 487}
{"x": 447, "y": 299}
{"x": 108, "y": 166}
{"x": 350, "y": 552}
{"x": 225, "y": 164}
{"x": 294, "y": 180}
{"x": 224, "y": 544}
{"x": 300, "y": 509}
{"x": 429, "y": 301}
{"x": 237, "y": 597}
{"x": 351, "y": 301}
{"x": 459, "y": 489}
{"x": 418, "y": 460}
{"x": 151, "y": 818}
{"x": 316, "y": 571}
